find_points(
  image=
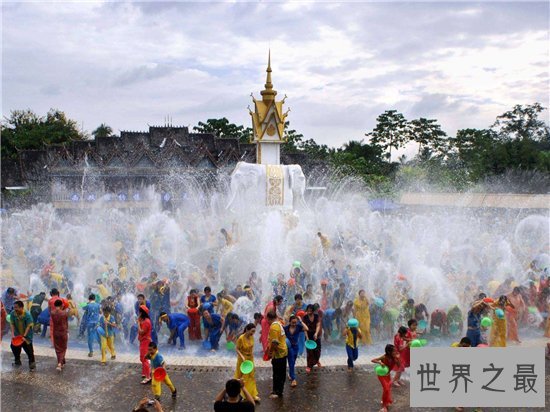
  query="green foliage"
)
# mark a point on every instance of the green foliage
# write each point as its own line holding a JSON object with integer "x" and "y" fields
{"x": 223, "y": 129}
{"x": 518, "y": 141}
{"x": 390, "y": 131}
{"x": 102, "y": 130}
{"x": 295, "y": 143}
{"x": 25, "y": 130}
{"x": 427, "y": 134}
{"x": 521, "y": 123}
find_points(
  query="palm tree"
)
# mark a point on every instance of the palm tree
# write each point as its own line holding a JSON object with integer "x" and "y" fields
{"x": 103, "y": 130}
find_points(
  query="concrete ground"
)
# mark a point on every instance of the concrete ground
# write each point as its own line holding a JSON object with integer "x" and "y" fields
{"x": 85, "y": 385}
{"x": 88, "y": 386}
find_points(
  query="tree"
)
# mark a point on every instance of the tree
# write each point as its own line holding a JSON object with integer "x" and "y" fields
{"x": 390, "y": 131}
{"x": 428, "y": 134}
{"x": 295, "y": 143}
{"x": 522, "y": 122}
{"x": 25, "y": 130}
{"x": 223, "y": 129}
{"x": 294, "y": 140}
{"x": 361, "y": 158}
{"x": 102, "y": 130}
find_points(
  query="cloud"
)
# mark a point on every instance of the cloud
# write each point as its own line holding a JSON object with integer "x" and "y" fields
{"x": 341, "y": 64}
{"x": 143, "y": 73}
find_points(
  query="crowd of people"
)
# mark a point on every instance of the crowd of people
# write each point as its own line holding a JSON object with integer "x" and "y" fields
{"x": 297, "y": 314}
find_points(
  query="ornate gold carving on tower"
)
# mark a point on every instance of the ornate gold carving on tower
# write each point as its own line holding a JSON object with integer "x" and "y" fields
{"x": 268, "y": 122}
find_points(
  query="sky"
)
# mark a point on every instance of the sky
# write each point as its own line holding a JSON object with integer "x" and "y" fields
{"x": 130, "y": 64}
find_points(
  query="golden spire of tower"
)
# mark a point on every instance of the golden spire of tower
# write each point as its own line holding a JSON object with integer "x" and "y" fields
{"x": 268, "y": 93}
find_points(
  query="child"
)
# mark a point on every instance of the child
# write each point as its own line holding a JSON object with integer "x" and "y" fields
{"x": 352, "y": 333}
{"x": 412, "y": 334}
{"x": 107, "y": 322}
{"x": 390, "y": 359}
{"x": 401, "y": 343}
{"x": 157, "y": 361}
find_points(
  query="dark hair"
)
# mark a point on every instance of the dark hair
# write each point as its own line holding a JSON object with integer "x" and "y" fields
{"x": 207, "y": 289}
{"x": 54, "y": 292}
{"x": 152, "y": 345}
{"x": 410, "y": 301}
{"x": 402, "y": 330}
{"x": 161, "y": 314}
{"x": 298, "y": 296}
{"x": 143, "y": 314}
{"x": 388, "y": 350}
{"x": 292, "y": 318}
{"x": 10, "y": 290}
{"x": 91, "y": 296}
{"x": 141, "y": 295}
{"x": 411, "y": 322}
{"x": 482, "y": 296}
{"x": 516, "y": 289}
{"x": 278, "y": 298}
{"x": 271, "y": 315}
{"x": 249, "y": 327}
{"x": 106, "y": 309}
{"x": 58, "y": 303}
{"x": 465, "y": 341}
{"x": 19, "y": 304}
{"x": 234, "y": 316}
{"x": 310, "y": 306}
{"x": 258, "y": 315}
{"x": 193, "y": 291}
{"x": 316, "y": 306}
{"x": 232, "y": 388}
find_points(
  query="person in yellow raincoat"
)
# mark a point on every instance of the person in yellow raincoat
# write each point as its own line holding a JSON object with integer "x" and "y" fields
{"x": 73, "y": 310}
{"x": 497, "y": 337}
{"x": 224, "y": 305}
{"x": 325, "y": 243}
{"x": 362, "y": 314}
{"x": 245, "y": 351}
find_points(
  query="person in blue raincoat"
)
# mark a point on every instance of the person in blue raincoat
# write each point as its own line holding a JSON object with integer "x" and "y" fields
{"x": 293, "y": 331}
{"x": 177, "y": 323}
{"x": 44, "y": 320}
{"x": 294, "y": 309}
{"x": 91, "y": 314}
{"x": 213, "y": 325}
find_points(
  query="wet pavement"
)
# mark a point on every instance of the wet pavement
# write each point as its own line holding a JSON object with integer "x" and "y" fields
{"x": 88, "y": 386}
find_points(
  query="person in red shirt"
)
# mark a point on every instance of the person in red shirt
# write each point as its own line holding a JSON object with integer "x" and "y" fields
{"x": 271, "y": 307}
{"x": 3, "y": 322}
{"x": 194, "y": 316}
{"x": 144, "y": 337}
{"x": 60, "y": 325}
{"x": 401, "y": 344}
{"x": 54, "y": 293}
{"x": 390, "y": 359}
{"x": 411, "y": 335}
